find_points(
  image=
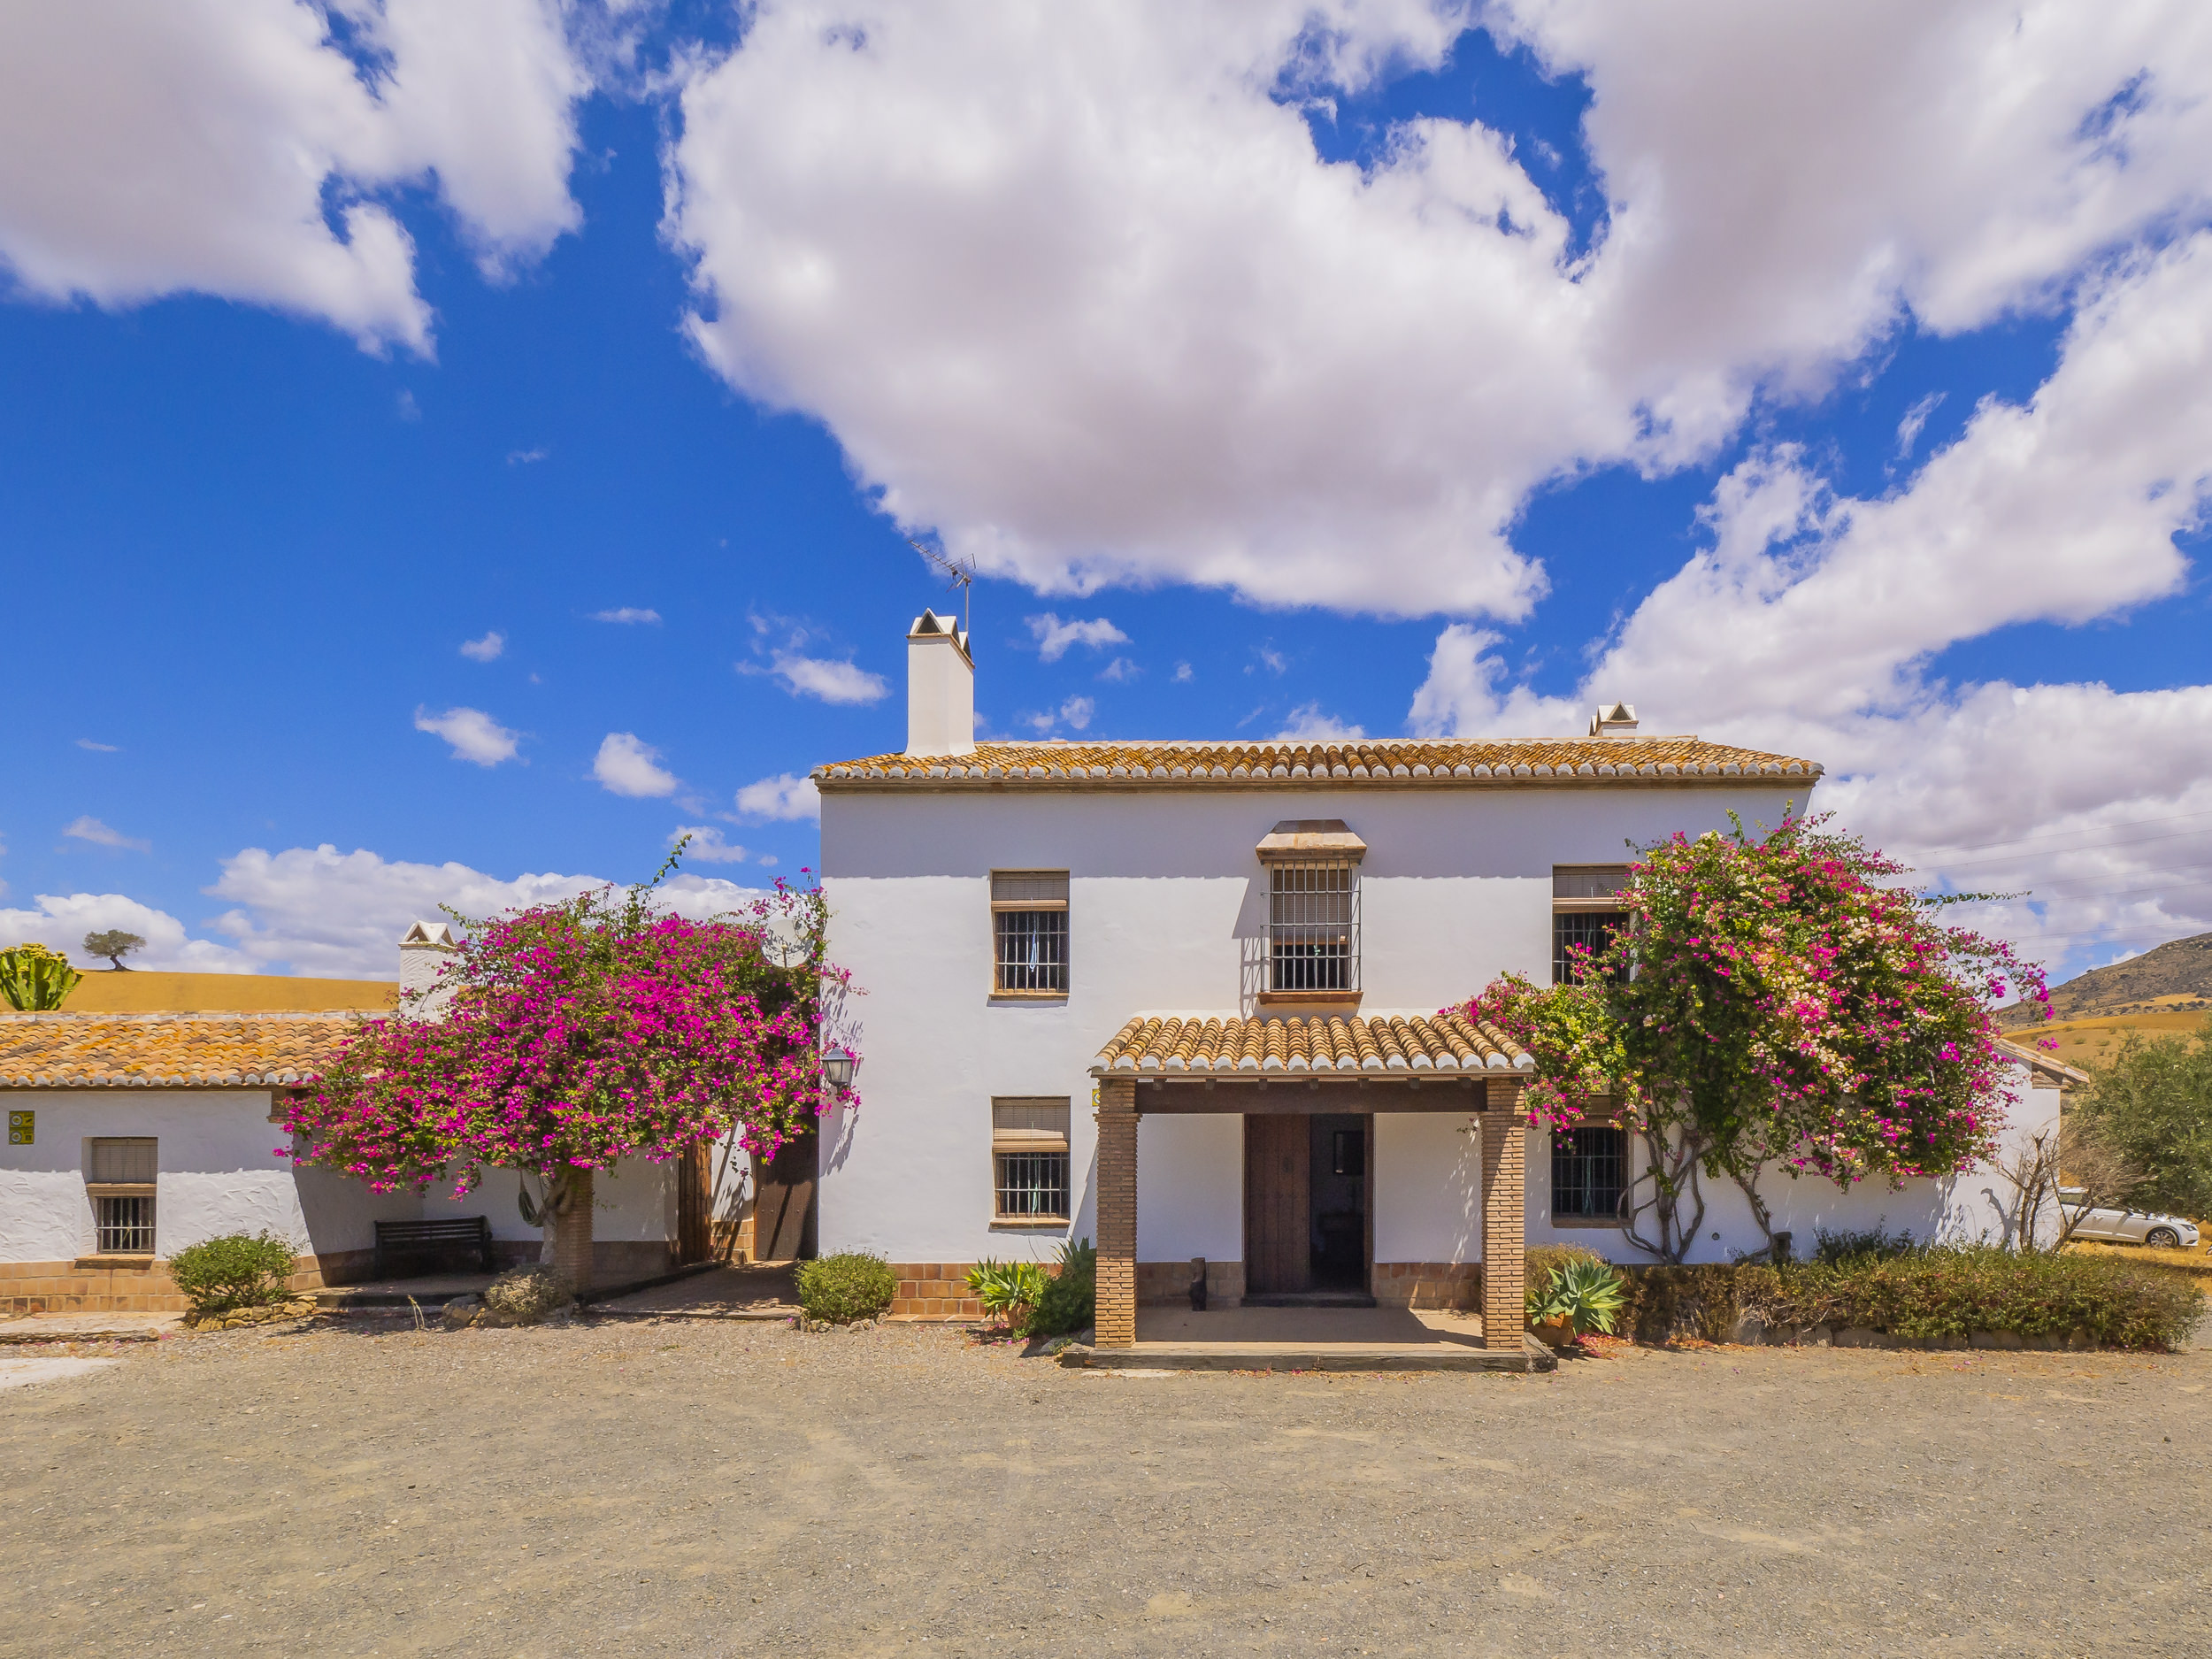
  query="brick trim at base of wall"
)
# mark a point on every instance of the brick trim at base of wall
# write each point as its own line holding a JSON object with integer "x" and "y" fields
{"x": 29, "y": 1287}
{"x": 1165, "y": 1284}
{"x": 1455, "y": 1285}
{"x": 934, "y": 1290}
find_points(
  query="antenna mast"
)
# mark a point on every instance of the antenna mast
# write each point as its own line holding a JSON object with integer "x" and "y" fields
{"x": 963, "y": 575}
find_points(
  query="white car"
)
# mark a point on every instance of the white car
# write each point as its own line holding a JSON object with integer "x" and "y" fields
{"x": 2128, "y": 1226}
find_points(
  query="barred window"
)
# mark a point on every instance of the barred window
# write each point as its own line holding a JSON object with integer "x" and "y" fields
{"x": 1586, "y": 1173}
{"x": 1585, "y": 913}
{"x": 1029, "y": 1159}
{"x": 121, "y": 1174}
{"x": 1313, "y": 926}
{"x": 1029, "y": 925}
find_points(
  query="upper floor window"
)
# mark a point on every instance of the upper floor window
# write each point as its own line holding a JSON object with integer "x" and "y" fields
{"x": 1312, "y": 907}
{"x": 1029, "y": 927}
{"x": 120, "y": 1176}
{"x": 1585, "y": 912}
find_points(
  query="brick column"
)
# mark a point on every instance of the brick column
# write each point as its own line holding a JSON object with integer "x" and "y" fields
{"x": 1504, "y": 1214}
{"x": 1117, "y": 1212}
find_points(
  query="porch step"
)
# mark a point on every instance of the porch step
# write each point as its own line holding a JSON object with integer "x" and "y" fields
{"x": 1311, "y": 1299}
{"x": 1282, "y": 1357}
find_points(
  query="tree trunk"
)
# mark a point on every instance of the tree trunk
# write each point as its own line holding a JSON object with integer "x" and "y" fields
{"x": 570, "y": 1231}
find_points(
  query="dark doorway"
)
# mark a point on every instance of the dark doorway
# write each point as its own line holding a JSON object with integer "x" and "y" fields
{"x": 1337, "y": 1149}
{"x": 1306, "y": 1204}
{"x": 783, "y": 1202}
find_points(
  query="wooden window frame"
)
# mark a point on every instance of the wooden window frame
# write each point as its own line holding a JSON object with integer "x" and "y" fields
{"x": 1002, "y": 992}
{"x": 1012, "y": 1137}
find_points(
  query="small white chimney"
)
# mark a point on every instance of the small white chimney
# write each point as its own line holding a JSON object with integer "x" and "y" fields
{"x": 423, "y": 949}
{"x": 940, "y": 688}
{"x": 1613, "y": 719}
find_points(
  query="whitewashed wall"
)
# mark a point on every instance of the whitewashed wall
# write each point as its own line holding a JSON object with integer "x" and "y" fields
{"x": 1428, "y": 1186}
{"x": 1190, "y": 1183}
{"x": 219, "y": 1172}
{"x": 1167, "y": 904}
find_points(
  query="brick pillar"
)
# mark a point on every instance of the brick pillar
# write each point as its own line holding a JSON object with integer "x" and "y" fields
{"x": 1117, "y": 1212}
{"x": 1504, "y": 1214}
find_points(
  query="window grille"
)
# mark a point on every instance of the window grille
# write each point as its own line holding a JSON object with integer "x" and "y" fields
{"x": 1585, "y": 912}
{"x": 1593, "y": 930}
{"x": 127, "y": 1225}
{"x": 1587, "y": 1166}
{"x": 1029, "y": 1159}
{"x": 1313, "y": 926}
{"x": 1029, "y": 924}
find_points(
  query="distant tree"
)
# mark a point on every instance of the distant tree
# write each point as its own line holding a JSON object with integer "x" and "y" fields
{"x": 2151, "y": 1103}
{"x": 115, "y": 944}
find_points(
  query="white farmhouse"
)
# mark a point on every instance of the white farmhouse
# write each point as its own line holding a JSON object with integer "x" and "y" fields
{"x": 1182, "y": 997}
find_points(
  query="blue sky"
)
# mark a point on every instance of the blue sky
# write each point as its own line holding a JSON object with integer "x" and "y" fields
{"x": 1358, "y": 367}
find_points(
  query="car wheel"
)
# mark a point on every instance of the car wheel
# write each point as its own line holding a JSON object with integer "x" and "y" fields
{"x": 2163, "y": 1238}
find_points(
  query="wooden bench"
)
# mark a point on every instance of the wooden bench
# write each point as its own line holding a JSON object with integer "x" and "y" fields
{"x": 469, "y": 1234}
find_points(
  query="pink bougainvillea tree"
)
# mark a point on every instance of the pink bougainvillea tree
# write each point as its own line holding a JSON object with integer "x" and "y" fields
{"x": 564, "y": 1038}
{"x": 1781, "y": 1001}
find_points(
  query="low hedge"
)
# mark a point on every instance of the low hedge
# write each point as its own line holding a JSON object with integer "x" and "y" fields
{"x": 846, "y": 1288}
{"x": 1935, "y": 1293}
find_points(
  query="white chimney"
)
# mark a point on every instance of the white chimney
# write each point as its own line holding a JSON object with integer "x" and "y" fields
{"x": 940, "y": 688}
{"x": 423, "y": 949}
{"x": 1613, "y": 719}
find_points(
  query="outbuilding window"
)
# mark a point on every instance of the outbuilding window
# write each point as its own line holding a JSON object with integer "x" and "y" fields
{"x": 1029, "y": 926}
{"x": 120, "y": 1177}
{"x": 1587, "y": 911}
{"x": 1029, "y": 1160}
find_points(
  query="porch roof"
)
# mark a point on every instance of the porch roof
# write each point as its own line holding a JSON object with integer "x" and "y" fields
{"x": 1403, "y": 1045}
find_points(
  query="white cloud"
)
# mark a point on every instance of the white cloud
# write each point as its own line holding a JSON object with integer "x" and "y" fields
{"x": 486, "y": 649}
{"x": 526, "y": 458}
{"x": 230, "y": 147}
{"x": 97, "y": 748}
{"x": 827, "y": 679}
{"x": 787, "y": 795}
{"x": 474, "y": 734}
{"x": 1183, "y": 674}
{"x": 1279, "y": 358}
{"x": 60, "y": 921}
{"x": 1807, "y": 624}
{"x": 626, "y": 765}
{"x": 708, "y": 845}
{"x": 1307, "y": 724}
{"x": 1054, "y": 636}
{"x": 90, "y": 829}
{"x": 1916, "y": 418}
{"x": 1120, "y": 670}
{"x": 1075, "y": 714}
{"x": 626, "y": 614}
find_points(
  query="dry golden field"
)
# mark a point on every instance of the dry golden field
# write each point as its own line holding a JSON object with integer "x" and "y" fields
{"x": 138, "y": 991}
{"x": 2090, "y": 1042}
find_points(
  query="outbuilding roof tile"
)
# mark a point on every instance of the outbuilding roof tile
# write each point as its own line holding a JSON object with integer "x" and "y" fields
{"x": 166, "y": 1051}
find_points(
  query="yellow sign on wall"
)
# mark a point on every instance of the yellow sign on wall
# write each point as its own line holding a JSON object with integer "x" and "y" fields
{"x": 22, "y": 1127}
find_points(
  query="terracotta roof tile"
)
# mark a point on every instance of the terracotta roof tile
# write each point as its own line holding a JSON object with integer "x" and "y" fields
{"x": 1398, "y": 1044}
{"x": 1367, "y": 763}
{"x": 166, "y": 1051}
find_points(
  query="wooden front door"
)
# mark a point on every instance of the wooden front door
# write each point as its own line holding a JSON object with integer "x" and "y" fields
{"x": 783, "y": 1202}
{"x": 694, "y": 1241}
{"x": 1278, "y": 1205}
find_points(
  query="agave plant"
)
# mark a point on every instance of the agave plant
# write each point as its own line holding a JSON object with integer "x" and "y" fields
{"x": 35, "y": 979}
{"x": 1582, "y": 1296}
{"x": 1008, "y": 1291}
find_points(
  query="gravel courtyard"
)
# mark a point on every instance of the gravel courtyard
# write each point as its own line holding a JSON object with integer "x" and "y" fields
{"x": 693, "y": 1487}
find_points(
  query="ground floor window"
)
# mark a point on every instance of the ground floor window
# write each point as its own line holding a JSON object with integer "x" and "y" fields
{"x": 1588, "y": 1166}
{"x": 120, "y": 1175}
{"x": 1029, "y": 1159}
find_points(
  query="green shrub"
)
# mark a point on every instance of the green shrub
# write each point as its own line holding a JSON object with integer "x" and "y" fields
{"x": 525, "y": 1295}
{"x": 1865, "y": 1244}
{"x": 840, "y": 1289}
{"x": 1931, "y": 1292}
{"x": 1070, "y": 1301}
{"x": 235, "y": 1270}
{"x": 1586, "y": 1294}
{"x": 1009, "y": 1291}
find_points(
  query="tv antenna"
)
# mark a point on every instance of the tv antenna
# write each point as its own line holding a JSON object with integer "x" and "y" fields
{"x": 963, "y": 575}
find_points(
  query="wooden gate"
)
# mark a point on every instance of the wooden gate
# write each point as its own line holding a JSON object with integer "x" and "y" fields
{"x": 1277, "y": 1204}
{"x": 695, "y": 1232}
{"x": 783, "y": 1202}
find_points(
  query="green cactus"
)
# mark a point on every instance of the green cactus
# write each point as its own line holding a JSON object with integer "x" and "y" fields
{"x": 35, "y": 979}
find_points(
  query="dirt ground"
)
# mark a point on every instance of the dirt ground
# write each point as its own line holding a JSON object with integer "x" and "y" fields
{"x": 715, "y": 1488}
